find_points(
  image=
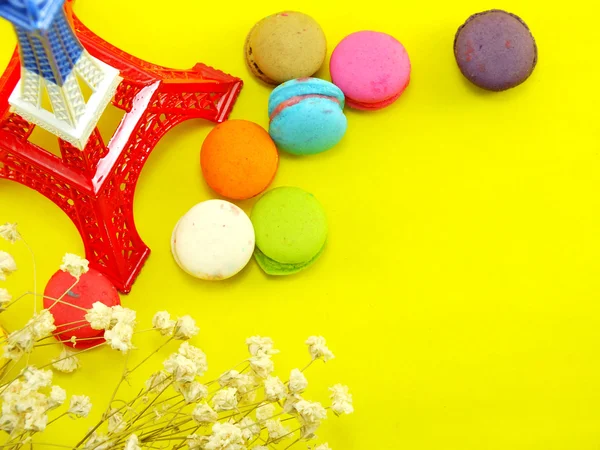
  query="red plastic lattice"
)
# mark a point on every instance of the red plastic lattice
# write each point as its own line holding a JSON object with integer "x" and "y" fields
{"x": 96, "y": 186}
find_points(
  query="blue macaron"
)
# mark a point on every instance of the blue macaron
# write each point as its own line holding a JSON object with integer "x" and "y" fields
{"x": 307, "y": 116}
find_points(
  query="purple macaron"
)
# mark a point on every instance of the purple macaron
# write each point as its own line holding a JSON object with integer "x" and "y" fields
{"x": 495, "y": 50}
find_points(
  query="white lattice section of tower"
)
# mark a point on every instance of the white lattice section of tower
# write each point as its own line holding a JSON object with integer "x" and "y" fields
{"x": 32, "y": 85}
{"x": 71, "y": 118}
{"x": 89, "y": 70}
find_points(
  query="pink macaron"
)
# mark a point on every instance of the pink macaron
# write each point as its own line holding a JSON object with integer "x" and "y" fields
{"x": 371, "y": 68}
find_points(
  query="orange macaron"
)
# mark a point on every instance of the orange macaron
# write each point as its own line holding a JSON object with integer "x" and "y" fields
{"x": 239, "y": 159}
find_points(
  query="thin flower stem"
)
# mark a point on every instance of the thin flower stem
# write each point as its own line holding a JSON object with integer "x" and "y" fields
{"x": 152, "y": 354}
{"x": 69, "y": 340}
{"x": 151, "y": 403}
{"x": 75, "y": 354}
{"x": 54, "y": 420}
{"x": 174, "y": 435}
{"x": 41, "y": 443}
{"x": 292, "y": 444}
{"x": 123, "y": 376}
{"x": 308, "y": 365}
{"x": 59, "y": 299}
{"x": 34, "y": 274}
{"x": 283, "y": 437}
{"x": 22, "y": 296}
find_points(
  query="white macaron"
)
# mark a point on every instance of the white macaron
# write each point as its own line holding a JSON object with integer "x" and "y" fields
{"x": 213, "y": 241}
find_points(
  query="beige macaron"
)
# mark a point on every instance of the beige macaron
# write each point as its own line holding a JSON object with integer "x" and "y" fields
{"x": 285, "y": 46}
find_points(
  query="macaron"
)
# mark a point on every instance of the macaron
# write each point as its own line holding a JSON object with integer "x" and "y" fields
{"x": 307, "y": 116}
{"x": 495, "y": 50}
{"x": 285, "y": 46}
{"x": 213, "y": 241}
{"x": 239, "y": 159}
{"x": 70, "y": 320}
{"x": 291, "y": 230}
{"x": 371, "y": 68}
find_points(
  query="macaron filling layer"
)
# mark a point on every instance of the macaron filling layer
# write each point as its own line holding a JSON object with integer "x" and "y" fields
{"x": 273, "y": 267}
{"x": 297, "y": 99}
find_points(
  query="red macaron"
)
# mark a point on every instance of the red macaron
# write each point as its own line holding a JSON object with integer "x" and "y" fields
{"x": 70, "y": 320}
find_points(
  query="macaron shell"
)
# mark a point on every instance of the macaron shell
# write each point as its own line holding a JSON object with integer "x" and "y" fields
{"x": 239, "y": 159}
{"x": 495, "y": 50}
{"x": 290, "y": 225}
{"x": 370, "y": 68}
{"x": 213, "y": 241}
{"x": 252, "y": 65}
{"x": 313, "y": 125}
{"x": 272, "y": 267}
{"x": 70, "y": 321}
{"x": 285, "y": 46}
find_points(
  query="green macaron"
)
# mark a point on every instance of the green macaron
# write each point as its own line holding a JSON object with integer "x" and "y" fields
{"x": 291, "y": 230}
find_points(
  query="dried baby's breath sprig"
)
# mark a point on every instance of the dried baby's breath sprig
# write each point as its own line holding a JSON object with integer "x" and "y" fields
{"x": 7, "y": 265}
{"x": 248, "y": 407}
{"x": 10, "y": 232}
{"x": 74, "y": 265}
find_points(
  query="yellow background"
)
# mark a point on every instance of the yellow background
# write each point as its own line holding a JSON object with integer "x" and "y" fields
{"x": 459, "y": 289}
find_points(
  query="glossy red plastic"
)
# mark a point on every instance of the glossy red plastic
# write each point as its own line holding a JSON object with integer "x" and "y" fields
{"x": 95, "y": 187}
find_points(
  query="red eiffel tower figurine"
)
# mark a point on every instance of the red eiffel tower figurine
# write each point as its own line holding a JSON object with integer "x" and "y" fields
{"x": 95, "y": 185}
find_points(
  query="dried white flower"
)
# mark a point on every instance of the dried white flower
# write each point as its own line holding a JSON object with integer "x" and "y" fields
{"x": 157, "y": 382}
{"x": 67, "y": 362}
{"x": 275, "y": 389}
{"x": 310, "y": 412}
{"x": 196, "y": 442}
{"x": 80, "y": 406}
{"x": 100, "y": 316}
{"x": 289, "y": 405}
{"x": 298, "y": 382}
{"x": 41, "y": 325}
{"x": 203, "y": 414}
{"x": 260, "y": 346}
{"x": 23, "y": 407}
{"x": 5, "y": 299}
{"x": 245, "y": 384}
{"x": 36, "y": 379}
{"x": 185, "y": 328}
{"x": 310, "y": 416}
{"x": 323, "y": 447}
{"x": 122, "y": 315}
{"x": 317, "y": 346}
{"x": 262, "y": 365}
{"x": 163, "y": 323}
{"x": 196, "y": 355}
{"x": 57, "y": 397}
{"x": 116, "y": 422}
{"x": 265, "y": 412}
{"x": 225, "y": 436}
{"x": 183, "y": 369}
{"x": 225, "y": 399}
{"x": 192, "y": 392}
{"x": 119, "y": 337}
{"x": 250, "y": 429}
{"x": 7, "y": 265}
{"x": 229, "y": 378}
{"x": 74, "y": 265}
{"x": 18, "y": 343}
{"x": 341, "y": 400}
{"x": 10, "y": 232}
{"x": 276, "y": 430}
{"x": 132, "y": 443}
{"x": 97, "y": 441}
